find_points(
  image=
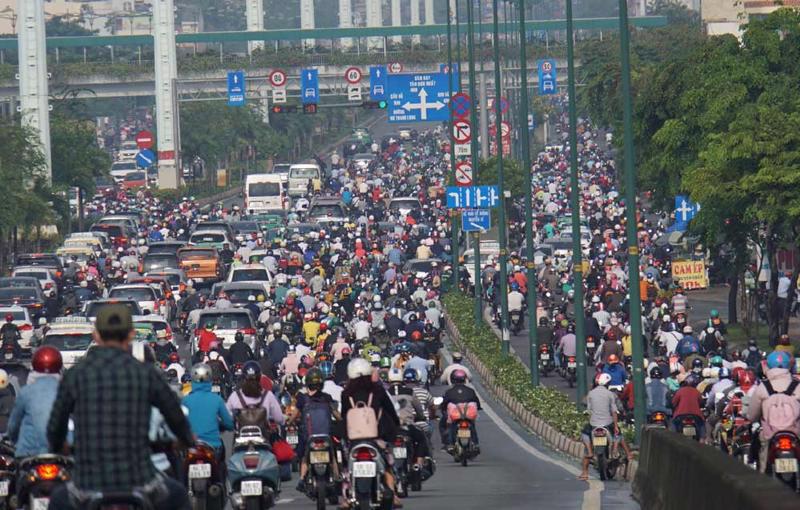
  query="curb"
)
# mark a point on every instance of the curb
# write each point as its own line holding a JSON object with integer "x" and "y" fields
{"x": 525, "y": 417}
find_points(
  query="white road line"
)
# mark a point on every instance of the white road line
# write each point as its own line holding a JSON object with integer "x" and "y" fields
{"x": 283, "y": 501}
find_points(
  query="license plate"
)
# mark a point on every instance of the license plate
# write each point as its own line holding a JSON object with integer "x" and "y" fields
{"x": 600, "y": 441}
{"x": 40, "y": 503}
{"x": 590, "y": 345}
{"x": 9, "y": 355}
{"x": 400, "y": 452}
{"x": 292, "y": 439}
{"x": 215, "y": 388}
{"x": 572, "y": 365}
{"x": 252, "y": 488}
{"x": 199, "y": 470}
{"x": 319, "y": 457}
{"x": 545, "y": 356}
{"x": 689, "y": 431}
{"x": 464, "y": 433}
{"x": 197, "y": 279}
{"x": 4, "y": 488}
{"x": 364, "y": 469}
{"x": 786, "y": 465}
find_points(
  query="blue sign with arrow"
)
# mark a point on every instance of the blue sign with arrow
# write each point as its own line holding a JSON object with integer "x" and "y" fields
{"x": 236, "y": 88}
{"x": 476, "y": 220}
{"x": 472, "y": 197}
{"x": 377, "y": 83}
{"x": 547, "y": 77}
{"x": 419, "y": 97}
{"x": 685, "y": 210}
{"x": 145, "y": 158}
{"x": 309, "y": 86}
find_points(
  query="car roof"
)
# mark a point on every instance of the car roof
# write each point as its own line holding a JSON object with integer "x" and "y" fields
{"x": 137, "y": 285}
{"x": 32, "y": 268}
{"x": 209, "y": 231}
{"x": 220, "y": 311}
{"x": 249, "y": 266}
{"x": 13, "y": 308}
{"x": 242, "y": 285}
{"x": 150, "y": 318}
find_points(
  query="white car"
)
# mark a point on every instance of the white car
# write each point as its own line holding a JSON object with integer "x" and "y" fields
{"x": 22, "y": 320}
{"x": 45, "y": 276}
{"x": 145, "y": 295}
{"x": 160, "y": 324}
{"x": 404, "y": 205}
{"x": 127, "y": 151}
{"x": 72, "y": 336}
{"x": 226, "y": 323}
{"x": 120, "y": 169}
{"x": 254, "y": 273}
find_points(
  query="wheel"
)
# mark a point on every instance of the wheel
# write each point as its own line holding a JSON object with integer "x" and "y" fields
{"x": 253, "y": 504}
{"x": 321, "y": 494}
{"x": 571, "y": 382}
{"x": 464, "y": 459}
{"x": 401, "y": 488}
{"x": 364, "y": 502}
{"x": 600, "y": 460}
{"x": 416, "y": 486}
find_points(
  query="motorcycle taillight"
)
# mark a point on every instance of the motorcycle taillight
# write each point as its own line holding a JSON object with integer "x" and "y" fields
{"x": 250, "y": 461}
{"x": 319, "y": 444}
{"x": 463, "y": 425}
{"x": 200, "y": 453}
{"x": 571, "y": 359}
{"x": 785, "y": 443}
{"x": 398, "y": 441}
{"x": 47, "y": 471}
{"x": 659, "y": 417}
{"x": 363, "y": 454}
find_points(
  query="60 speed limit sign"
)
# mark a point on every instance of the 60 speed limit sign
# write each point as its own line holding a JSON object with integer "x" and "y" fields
{"x": 277, "y": 78}
{"x": 352, "y": 75}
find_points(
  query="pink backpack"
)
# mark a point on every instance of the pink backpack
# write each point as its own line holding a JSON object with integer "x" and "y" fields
{"x": 456, "y": 412}
{"x": 781, "y": 411}
{"x": 362, "y": 421}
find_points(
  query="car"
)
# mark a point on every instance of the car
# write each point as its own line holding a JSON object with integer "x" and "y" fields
{"x": 300, "y": 174}
{"x": 160, "y": 326}
{"x": 327, "y": 210}
{"x": 272, "y": 218}
{"x": 176, "y": 279}
{"x": 168, "y": 247}
{"x": 130, "y": 220}
{"x": 159, "y": 262}
{"x": 211, "y": 239}
{"x": 103, "y": 185}
{"x": 127, "y": 151}
{"x": 31, "y": 298}
{"x": 227, "y": 322}
{"x": 202, "y": 265}
{"x": 354, "y": 146}
{"x": 134, "y": 180}
{"x": 404, "y": 205}
{"x": 144, "y": 332}
{"x": 244, "y": 229}
{"x": 120, "y": 169}
{"x": 93, "y": 238}
{"x": 22, "y": 320}
{"x": 421, "y": 267}
{"x": 215, "y": 225}
{"x": 363, "y": 160}
{"x": 487, "y": 256}
{"x": 239, "y": 292}
{"x": 143, "y": 294}
{"x": 281, "y": 169}
{"x": 72, "y": 336}
{"x": 406, "y": 133}
{"x": 256, "y": 273}
{"x": 20, "y": 282}
{"x": 91, "y": 308}
{"x": 166, "y": 298}
{"x": 44, "y": 275}
{"x": 119, "y": 234}
{"x": 362, "y": 134}
{"x": 50, "y": 260}
{"x": 81, "y": 254}
{"x": 389, "y": 140}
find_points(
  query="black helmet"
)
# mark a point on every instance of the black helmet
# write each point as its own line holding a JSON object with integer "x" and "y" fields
{"x": 252, "y": 370}
{"x": 458, "y": 376}
{"x": 239, "y": 336}
{"x": 314, "y": 379}
{"x": 655, "y": 373}
{"x": 543, "y": 321}
{"x": 697, "y": 363}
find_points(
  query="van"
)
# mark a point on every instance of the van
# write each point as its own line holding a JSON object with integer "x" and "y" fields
{"x": 264, "y": 192}
{"x": 299, "y": 176}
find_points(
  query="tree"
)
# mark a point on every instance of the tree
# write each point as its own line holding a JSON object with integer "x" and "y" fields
{"x": 62, "y": 26}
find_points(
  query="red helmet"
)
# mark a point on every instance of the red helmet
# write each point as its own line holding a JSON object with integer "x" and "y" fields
{"x": 613, "y": 358}
{"x": 323, "y": 327}
{"x": 9, "y": 317}
{"x": 47, "y": 360}
{"x": 174, "y": 358}
{"x": 416, "y": 336}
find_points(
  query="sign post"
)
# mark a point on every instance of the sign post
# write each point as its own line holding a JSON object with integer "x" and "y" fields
{"x": 377, "y": 83}
{"x": 145, "y": 158}
{"x": 236, "y": 88}
{"x": 462, "y": 131}
{"x": 309, "y": 86}
{"x": 418, "y": 97}
{"x": 476, "y": 220}
{"x": 464, "y": 173}
{"x": 352, "y": 75}
{"x": 547, "y": 76}
{"x": 144, "y": 140}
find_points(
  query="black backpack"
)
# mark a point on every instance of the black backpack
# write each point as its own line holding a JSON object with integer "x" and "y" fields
{"x": 252, "y": 415}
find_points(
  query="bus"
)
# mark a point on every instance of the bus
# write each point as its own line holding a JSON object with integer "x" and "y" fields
{"x": 264, "y": 192}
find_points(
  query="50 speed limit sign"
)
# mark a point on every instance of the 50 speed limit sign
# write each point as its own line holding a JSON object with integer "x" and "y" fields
{"x": 352, "y": 75}
{"x": 277, "y": 78}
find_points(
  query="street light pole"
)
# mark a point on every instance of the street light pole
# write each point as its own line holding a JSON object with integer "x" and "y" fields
{"x": 474, "y": 147}
{"x": 631, "y": 225}
{"x": 525, "y": 148}
{"x": 501, "y": 224}
{"x": 454, "y": 214}
{"x": 577, "y": 255}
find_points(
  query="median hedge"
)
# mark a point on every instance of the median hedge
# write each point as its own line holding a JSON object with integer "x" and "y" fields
{"x": 548, "y": 404}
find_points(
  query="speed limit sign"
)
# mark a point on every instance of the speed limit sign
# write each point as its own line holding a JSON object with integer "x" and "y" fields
{"x": 352, "y": 75}
{"x": 277, "y": 78}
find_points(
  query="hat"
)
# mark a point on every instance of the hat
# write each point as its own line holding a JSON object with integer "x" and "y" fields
{"x": 114, "y": 320}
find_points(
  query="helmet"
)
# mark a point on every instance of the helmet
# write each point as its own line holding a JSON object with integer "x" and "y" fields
{"x": 314, "y": 379}
{"x": 174, "y": 358}
{"x": 404, "y": 348}
{"x": 416, "y": 336}
{"x": 715, "y": 361}
{"x": 603, "y": 379}
{"x": 714, "y": 313}
{"x": 9, "y": 317}
{"x": 201, "y": 373}
{"x": 251, "y": 370}
{"x": 346, "y": 351}
{"x": 692, "y": 380}
{"x": 457, "y": 357}
{"x": 47, "y": 360}
{"x": 784, "y": 340}
{"x": 613, "y": 358}
{"x": 385, "y": 362}
{"x": 779, "y": 359}
{"x": 395, "y": 375}
{"x": 326, "y": 368}
{"x": 747, "y": 379}
{"x": 724, "y": 373}
{"x": 687, "y": 330}
{"x": 3, "y": 379}
{"x": 514, "y": 286}
{"x": 411, "y": 375}
{"x": 655, "y": 373}
{"x": 697, "y": 363}
{"x": 239, "y": 336}
{"x": 359, "y": 367}
{"x": 542, "y": 321}
{"x": 458, "y": 377}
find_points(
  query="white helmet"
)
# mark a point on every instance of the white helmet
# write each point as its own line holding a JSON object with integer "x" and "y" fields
{"x": 603, "y": 379}
{"x": 3, "y": 379}
{"x": 359, "y": 367}
{"x": 395, "y": 375}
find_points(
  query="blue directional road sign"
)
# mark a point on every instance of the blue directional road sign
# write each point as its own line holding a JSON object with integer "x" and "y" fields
{"x": 472, "y": 197}
{"x": 547, "y": 76}
{"x": 236, "y": 88}
{"x": 145, "y": 158}
{"x": 685, "y": 210}
{"x": 377, "y": 83}
{"x": 309, "y": 86}
{"x": 476, "y": 220}
{"x": 419, "y": 97}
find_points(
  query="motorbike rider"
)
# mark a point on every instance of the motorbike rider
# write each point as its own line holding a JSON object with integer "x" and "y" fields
{"x": 688, "y": 345}
{"x": 27, "y": 425}
{"x": 207, "y": 338}
{"x": 109, "y": 396}
{"x": 409, "y": 410}
{"x": 250, "y": 393}
{"x": 207, "y": 412}
{"x": 10, "y": 335}
{"x": 566, "y": 345}
{"x": 779, "y": 382}
{"x": 785, "y": 345}
{"x": 615, "y": 370}
{"x": 240, "y": 352}
{"x": 752, "y": 355}
{"x": 457, "y": 364}
{"x": 459, "y": 393}
{"x": 657, "y": 391}
{"x": 163, "y": 349}
{"x": 687, "y": 401}
{"x": 516, "y": 301}
{"x": 601, "y": 404}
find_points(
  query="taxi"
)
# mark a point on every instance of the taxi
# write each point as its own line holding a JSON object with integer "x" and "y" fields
{"x": 72, "y": 336}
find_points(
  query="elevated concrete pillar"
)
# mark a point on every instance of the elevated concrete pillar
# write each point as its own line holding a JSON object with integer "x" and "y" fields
{"x": 346, "y": 21}
{"x": 307, "y": 20}
{"x": 166, "y": 74}
{"x": 255, "y": 22}
{"x": 397, "y": 20}
{"x": 374, "y": 19}
{"x": 415, "y": 20}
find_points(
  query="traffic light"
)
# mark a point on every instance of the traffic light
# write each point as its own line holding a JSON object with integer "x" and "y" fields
{"x": 375, "y": 105}
{"x": 283, "y": 108}
{"x": 310, "y": 108}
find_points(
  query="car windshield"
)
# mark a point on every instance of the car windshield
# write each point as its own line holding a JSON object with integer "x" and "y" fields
{"x": 241, "y": 295}
{"x": 135, "y": 176}
{"x": 93, "y": 308}
{"x": 69, "y": 341}
{"x": 161, "y": 261}
{"x": 136, "y": 294}
{"x": 172, "y": 278}
{"x": 404, "y": 204}
{"x": 226, "y": 320}
{"x": 281, "y": 169}
{"x": 421, "y": 266}
{"x": 156, "y": 249}
{"x": 19, "y": 315}
{"x": 326, "y": 210}
{"x": 112, "y": 230}
{"x": 38, "y": 261}
{"x": 33, "y": 274}
{"x": 249, "y": 275}
{"x": 124, "y": 166}
{"x": 303, "y": 173}
{"x": 264, "y": 189}
{"x": 245, "y": 227}
{"x": 207, "y": 237}
{"x": 16, "y": 283}
{"x": 18, "y": 293}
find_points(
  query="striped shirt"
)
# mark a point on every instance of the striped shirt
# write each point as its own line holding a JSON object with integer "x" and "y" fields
{"x": 424, "y": 398}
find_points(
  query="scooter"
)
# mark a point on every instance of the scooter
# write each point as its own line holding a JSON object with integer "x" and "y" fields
{"x": 367, "y": 489}
{"x": 515, "y": 317}
{"x": 204, "y": 477}
{"x": 40, "y": 475}
{"x": 292, "y": 437}
{"x": 570, "y": 372}
{"x": 606, "y": 460}
{"x": 323, "y": 479}
{"x": 782, "y": 458}
{"x": 689, "y": 427}
{"x": 545, "y": 360}
{"x": 591, "y": 349}
{"x": 8, "y": 474}
{"x": 657, "y": 419}
{"x": 253, "y": 472}
{"x": 405, "y": 469}
{"x": 128, "y": 500}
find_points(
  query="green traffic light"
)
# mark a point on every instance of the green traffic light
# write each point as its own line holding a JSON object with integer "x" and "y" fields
{"x": 382, "y": 104}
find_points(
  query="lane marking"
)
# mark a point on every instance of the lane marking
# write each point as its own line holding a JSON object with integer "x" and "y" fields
{"x": 284, "y": 501}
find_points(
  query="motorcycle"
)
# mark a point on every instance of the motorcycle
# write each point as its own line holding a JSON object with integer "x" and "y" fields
{"x": 606, "y": 459}
{"x": 434, "y": 370}
{"x": 689, "y": 427}
{"x": 323, "y": 482}
{"x": 570, "y": 372}
{"x": 8, "y": 474}
{"x": 405, "y": 469}
{"x": 591, "y": 349}
{"x": 366, "y": 468}
{"x": 782, "y": 458}
{"x": 517, "y": 323}
{"x": 545, "y": 360}
{"x": 292, "y": 437}
{"x": 40, "y": 475}
{"x": 464, "y": 447}
{"x": 657, "y": 419}
{"x": 253, "y": 472}
{"x": 204, "y": 477}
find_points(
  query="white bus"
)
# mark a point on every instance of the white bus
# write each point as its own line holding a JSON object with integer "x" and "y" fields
{"x": 264, "y": 192}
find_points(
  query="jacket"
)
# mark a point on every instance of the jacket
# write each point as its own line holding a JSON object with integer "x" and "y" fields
{"x": 207, "y": 414}
{"x": 27, "y": 426}
{"x": 686, "y": 401}
{"x": 779, "y": 379}
{"x": 617, "y": 373}
{"x": 657, "y": 396}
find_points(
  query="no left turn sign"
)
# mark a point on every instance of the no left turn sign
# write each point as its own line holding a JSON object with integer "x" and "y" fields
{"x": 352, "y": 75}
{"x": 277, "y": 78}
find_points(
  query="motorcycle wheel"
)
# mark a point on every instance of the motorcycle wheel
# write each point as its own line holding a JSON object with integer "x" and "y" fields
{"x": 364, "y": 502}
{"x": 253, "y": 504}
{"x": 464, "y": 459}
{"x": 401, "y": 488}
{"x": 199, "y": 501}
{"x": 321, "y": 498}
{"x": 571, "y": 382}
{"x": 601, "y": 465}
